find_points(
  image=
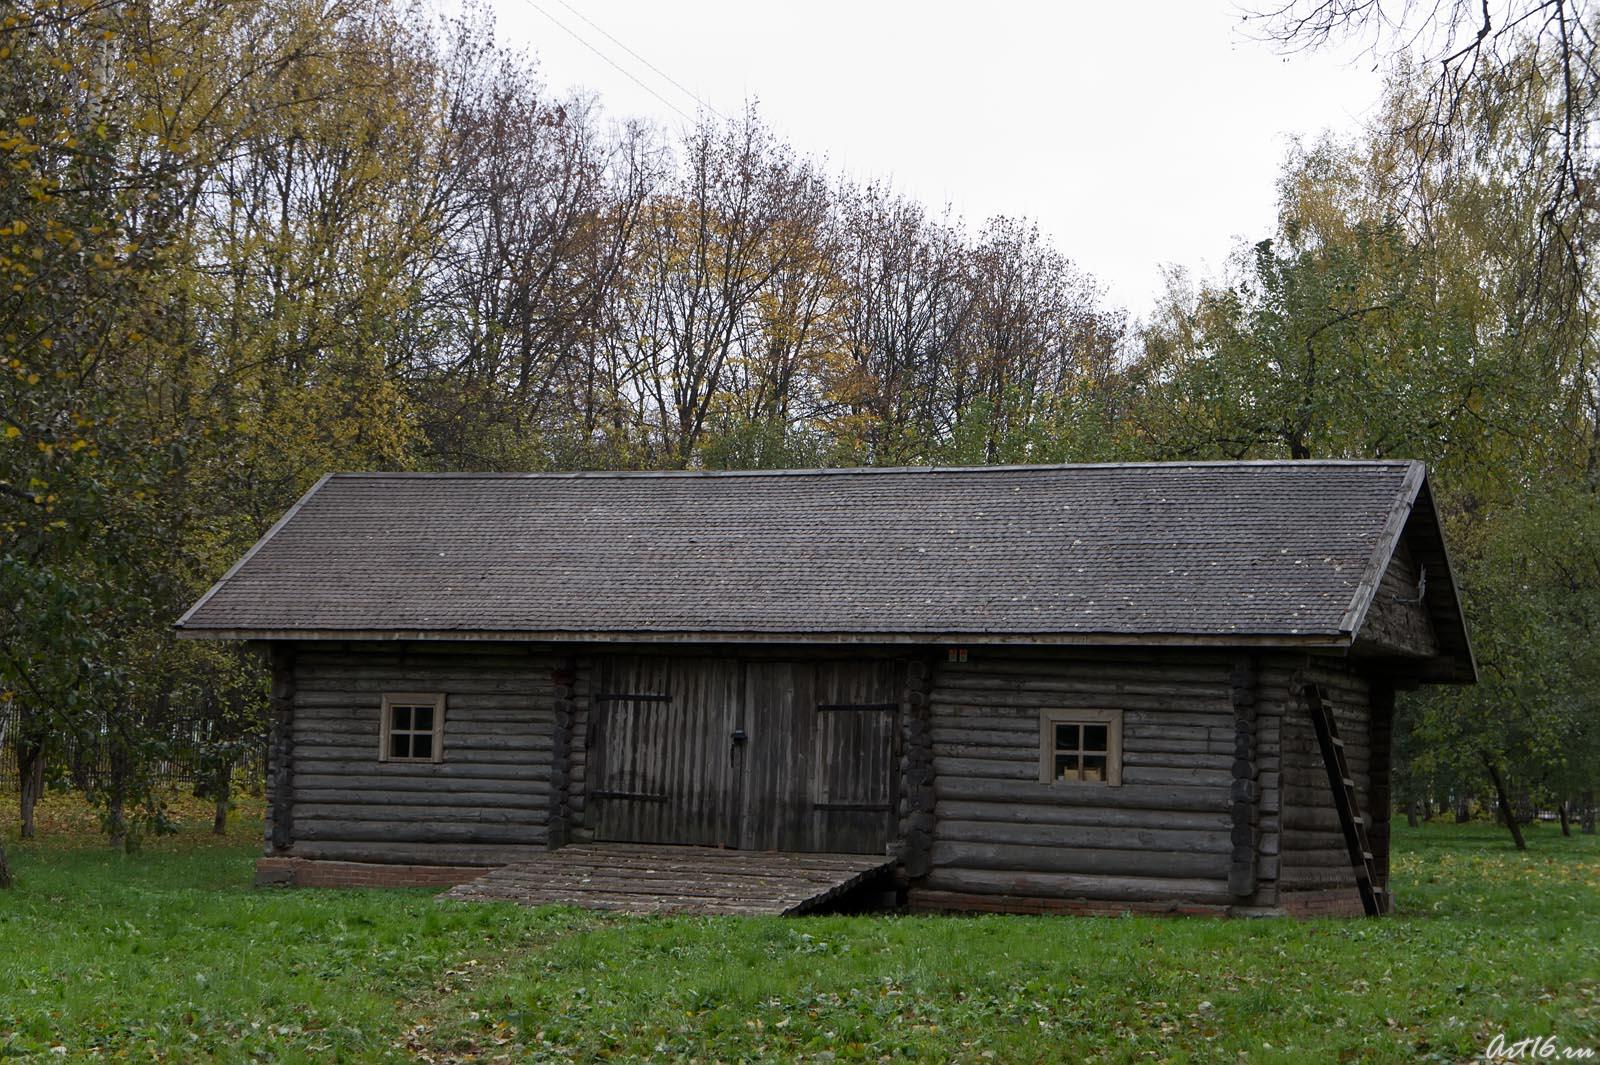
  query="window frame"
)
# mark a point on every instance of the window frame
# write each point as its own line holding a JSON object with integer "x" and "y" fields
{"x": 386, "y": 725}
{"x": 1050, "y": 717}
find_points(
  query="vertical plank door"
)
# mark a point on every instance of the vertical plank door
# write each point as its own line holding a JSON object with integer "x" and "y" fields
{"x": 819, "y": 765}
{"x": 661, "y": 768}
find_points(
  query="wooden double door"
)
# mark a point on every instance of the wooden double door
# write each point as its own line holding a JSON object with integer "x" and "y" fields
{"x": 798, "y": 755}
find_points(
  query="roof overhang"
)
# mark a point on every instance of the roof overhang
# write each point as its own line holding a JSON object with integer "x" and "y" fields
{"x": 1323, "y": 641}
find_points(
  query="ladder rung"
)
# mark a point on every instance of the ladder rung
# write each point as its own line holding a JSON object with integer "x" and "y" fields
{"x": 1367, "y": 855}
{"x": 1349, "y": 783}
{"x": 1337, "y": 742}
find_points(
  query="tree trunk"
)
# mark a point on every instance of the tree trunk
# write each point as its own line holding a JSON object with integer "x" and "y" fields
{"x": 5, "y": 870}
{"x": 30, "y": 770}
{"x": 1561, "y": 811}
{"x": 117, "y": 798}
{"x": 1463, "y": 809}
{"x": 1411, "y": 813}
{"x": 1505, "y": 803}
{"x": 1588, "y": 812}
{"x": 221, "y": 790}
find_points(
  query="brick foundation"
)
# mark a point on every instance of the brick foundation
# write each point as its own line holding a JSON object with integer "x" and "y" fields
{"x": 959, "y": 902}
{"x": 306, "y": 872}
{"x": 1331, "y": 902}
{"x": 1341, "y": 902}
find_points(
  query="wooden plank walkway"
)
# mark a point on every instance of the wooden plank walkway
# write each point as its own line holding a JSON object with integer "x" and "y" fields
{"x": 641, "y": 878}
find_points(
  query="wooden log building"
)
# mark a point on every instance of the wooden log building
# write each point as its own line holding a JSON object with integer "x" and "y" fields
{"x": 1158, "y": 687}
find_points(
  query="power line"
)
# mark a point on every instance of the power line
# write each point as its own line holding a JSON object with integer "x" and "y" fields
{"x": 668, "y": 77}
{"x": 612, "y": 62}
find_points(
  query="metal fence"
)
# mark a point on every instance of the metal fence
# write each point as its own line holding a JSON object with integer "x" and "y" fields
{"x": 88, "y": 763}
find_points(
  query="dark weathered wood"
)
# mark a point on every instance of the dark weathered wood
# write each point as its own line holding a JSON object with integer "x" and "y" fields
{"x": 1246, "y": 787}
{"x": 646, "y": 879}
{"x": 1343, "y": 788}
{"x": 737, "y": 753}
{"x": 280, "y": 782}
{"x": 565, "y": 678}
{"x": 1069, "y": 886}
{"x": 661, "y": 768}
{"x": 1398, "y": 621}
{"x": 1024, "y": 860}
{"x": 492, "y": 787}
{"x": 1380, "y": 774}
{"x": 1309, "y": 822}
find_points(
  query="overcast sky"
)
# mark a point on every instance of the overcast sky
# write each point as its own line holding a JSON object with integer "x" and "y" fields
{"x": 1136, "y": 134}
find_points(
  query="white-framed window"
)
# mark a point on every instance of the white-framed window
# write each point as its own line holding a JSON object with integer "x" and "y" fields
{"x": 1080, "y": 747}
{"x": 413, "y": 727}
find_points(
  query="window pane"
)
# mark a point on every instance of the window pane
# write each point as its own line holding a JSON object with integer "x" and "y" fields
{"x": 1094, "y": 767}
{"x": 400, "y": 745}
{"x": 422, "y": 745}
{"x": 422, "y": 718}
{"x": 1094, "y": 737}
{"x": 401, "y": 718}
{"x": 1066, "y": 737}
{"x": 1066, "y": 767}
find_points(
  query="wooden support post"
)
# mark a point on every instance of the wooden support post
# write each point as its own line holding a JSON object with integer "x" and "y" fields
{"x": 1246, "y": 793}
{"x": 1380, "y": 799}
{"x": 565, "y": 677}
{"x": 916, "y": 773}
{"x": 280, "y": 751}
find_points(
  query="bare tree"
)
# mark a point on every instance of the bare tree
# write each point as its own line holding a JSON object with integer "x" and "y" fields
{"x": 1524, "y": 69}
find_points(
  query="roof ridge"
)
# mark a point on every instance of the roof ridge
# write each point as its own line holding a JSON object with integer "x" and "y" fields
{"x": 839, "y": 471}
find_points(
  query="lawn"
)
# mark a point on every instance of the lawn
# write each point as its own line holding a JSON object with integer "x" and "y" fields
{"x": 170, "y": 954}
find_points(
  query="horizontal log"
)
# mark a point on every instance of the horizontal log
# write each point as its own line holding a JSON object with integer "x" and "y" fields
{"x": 1085, "y": 837}
{"x": 1064, "y": 885}
{"x": 1146, "y": 797}
{"x": 1087, "y": 684}
{"x": 1132, "y": 756}
{"x": 382, "y": 809}
{"x": 319, "y": 829}
{"x": 1172, "y": 665}
{"x": 1132, "y": 774}
{"x": 986, "y": 768}
{"x": 508, "y": 706}
{"x": 426, "y": 794}
{"x": 944, "y": 700}
{"x": 1055, "y": 814}
{"x": 417, "y": 853}
{"x": 455, "y": 754}
{"x": 1023, "y": 860}
{"x": 368, "y": 681}
{"x": 448, "y": 769}
{"x": 530, "y": 784}
{"x": 455, "y": 740}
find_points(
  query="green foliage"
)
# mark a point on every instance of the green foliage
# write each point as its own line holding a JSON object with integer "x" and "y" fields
{"x": 247, "y": 242}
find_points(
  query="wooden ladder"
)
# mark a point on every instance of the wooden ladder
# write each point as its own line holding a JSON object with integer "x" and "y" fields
{"x": 1374, "y": 896}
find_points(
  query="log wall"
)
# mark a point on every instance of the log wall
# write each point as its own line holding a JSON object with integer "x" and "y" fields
{"x": 488, "y": 800}
{"x": 1398, "y": 621}
{"x": 1314, "y": 856}
{"x": 1224, "y": 801}
{"x": 1163, "y": 836}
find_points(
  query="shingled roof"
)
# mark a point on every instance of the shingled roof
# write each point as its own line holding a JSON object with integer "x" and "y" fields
{"x": 1239, "y": 552}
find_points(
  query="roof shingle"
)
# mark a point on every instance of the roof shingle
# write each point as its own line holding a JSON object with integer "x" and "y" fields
{"x": 1204, "y": 549}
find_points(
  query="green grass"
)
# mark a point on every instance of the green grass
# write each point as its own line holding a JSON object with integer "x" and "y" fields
{"x": 169, "y": 954}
